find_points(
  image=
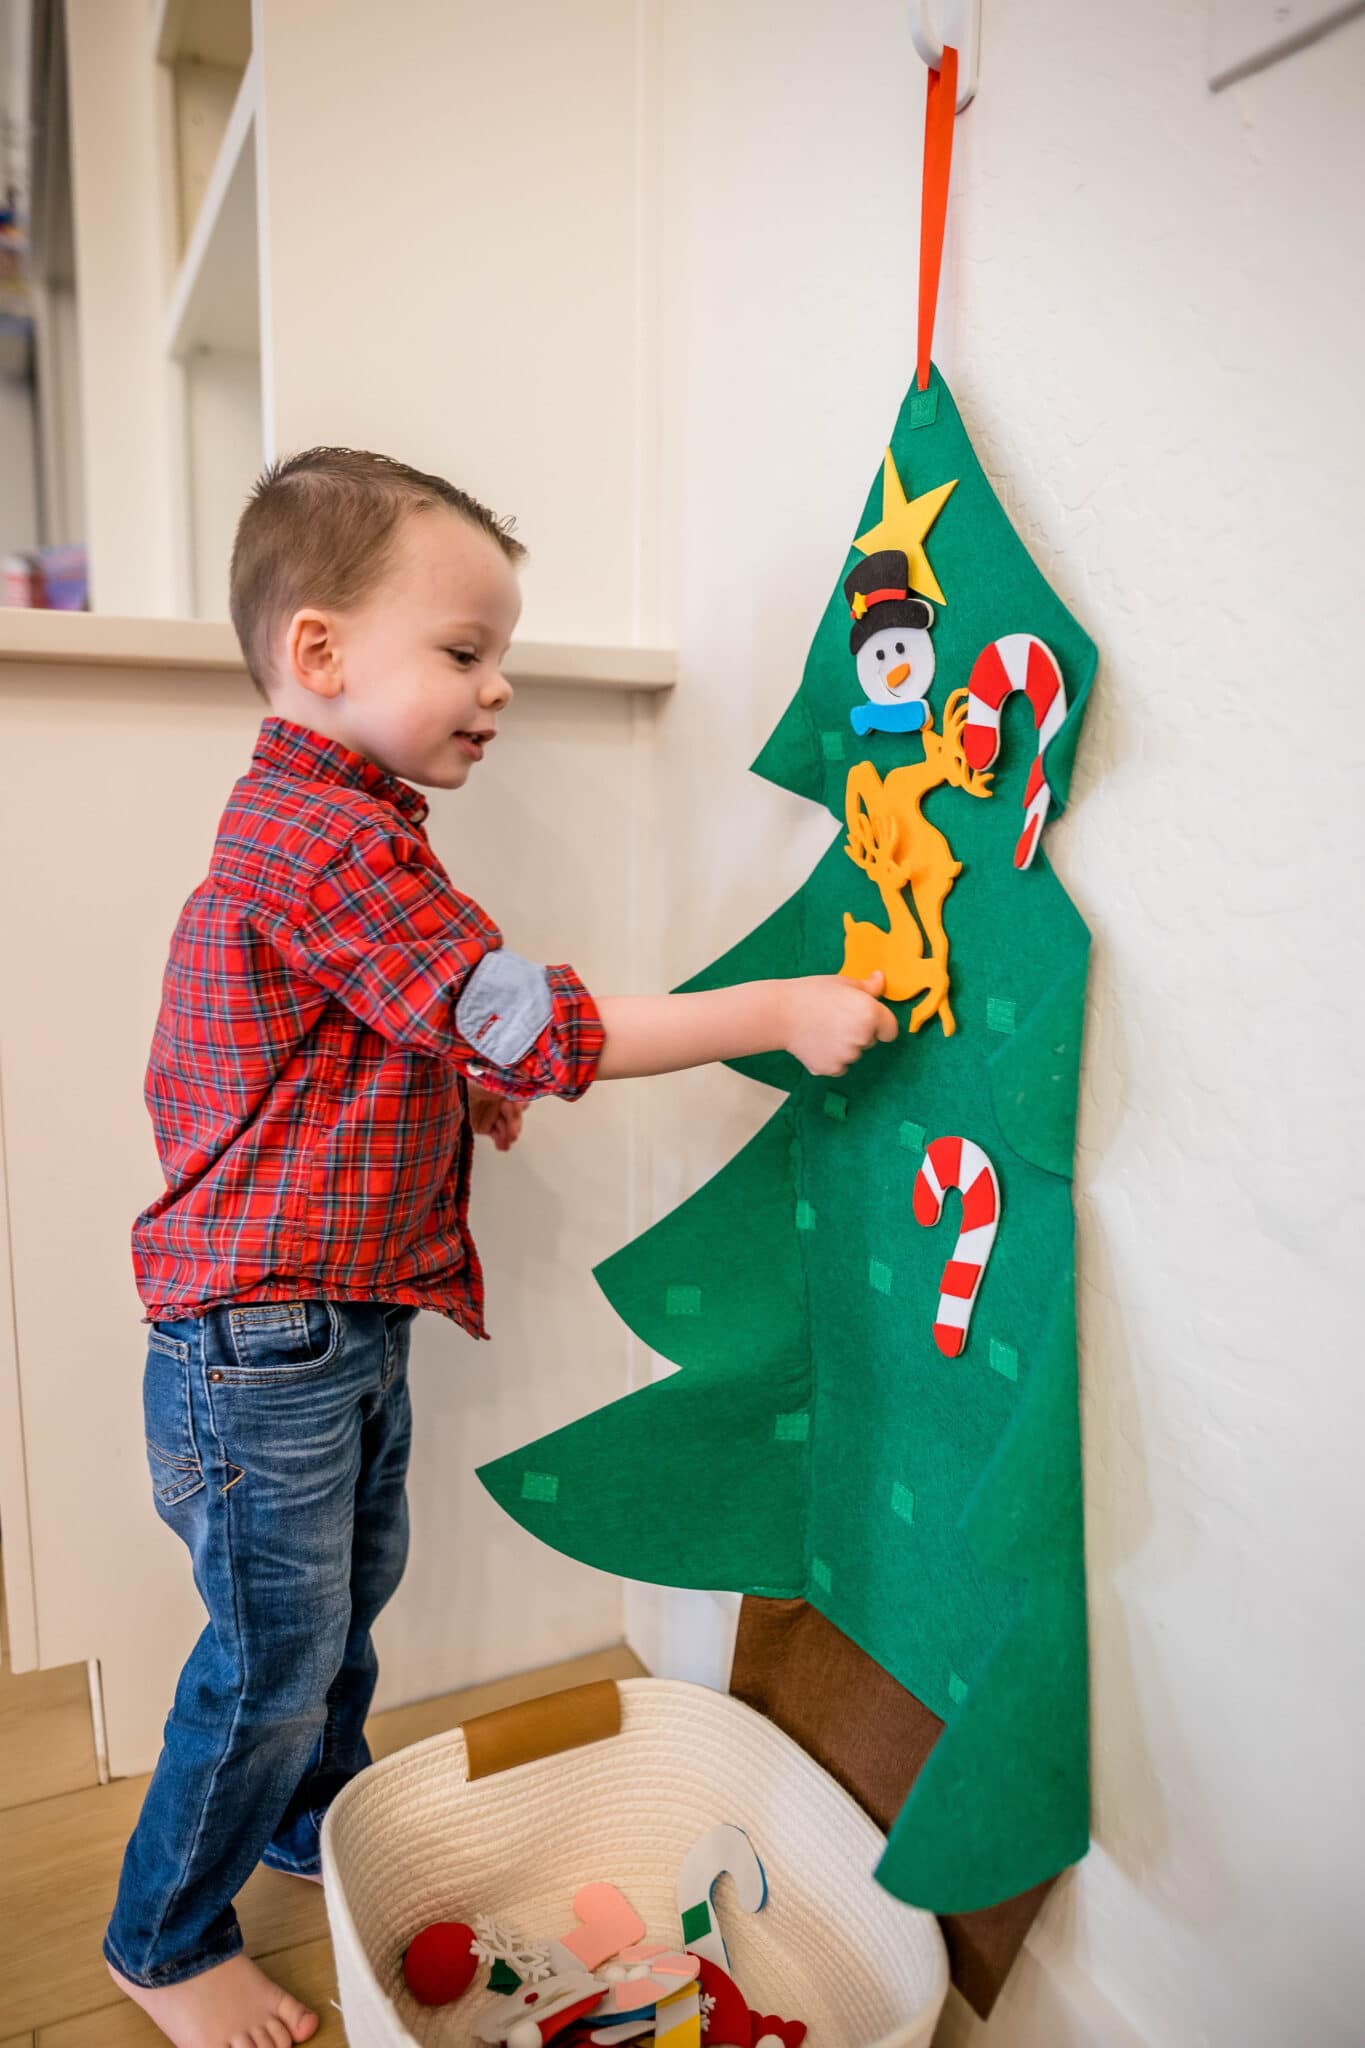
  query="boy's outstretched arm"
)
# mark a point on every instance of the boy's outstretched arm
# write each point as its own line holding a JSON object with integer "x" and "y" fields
{"x": 825, "y": 1021}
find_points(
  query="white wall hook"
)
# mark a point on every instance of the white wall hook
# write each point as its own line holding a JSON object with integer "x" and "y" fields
{"x": 961, "y": 30}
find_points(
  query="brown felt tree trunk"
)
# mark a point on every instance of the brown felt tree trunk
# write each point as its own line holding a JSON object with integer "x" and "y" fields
{"x": 873, "y": 1736}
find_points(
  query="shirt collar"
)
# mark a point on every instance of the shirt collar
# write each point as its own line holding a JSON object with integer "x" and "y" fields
{"x": 297, "y": 750}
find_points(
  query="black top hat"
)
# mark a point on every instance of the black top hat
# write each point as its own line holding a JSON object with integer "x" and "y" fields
{"x": 879, "y": 595}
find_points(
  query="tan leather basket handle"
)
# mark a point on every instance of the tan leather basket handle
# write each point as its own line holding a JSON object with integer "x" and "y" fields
{"x": 544, "y": 1727}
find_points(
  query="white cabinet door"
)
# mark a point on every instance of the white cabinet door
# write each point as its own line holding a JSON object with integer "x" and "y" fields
{"x": 114, "y": 785}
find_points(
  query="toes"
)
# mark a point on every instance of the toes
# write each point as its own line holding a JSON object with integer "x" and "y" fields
{"x": 300, "y": 2019}
{"x": 275, "y": 2034}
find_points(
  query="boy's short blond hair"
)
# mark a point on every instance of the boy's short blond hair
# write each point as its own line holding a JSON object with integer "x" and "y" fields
{"x": 319, "y": 529}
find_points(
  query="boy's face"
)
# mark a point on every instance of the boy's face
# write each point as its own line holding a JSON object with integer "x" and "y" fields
{"x": 411, "y": 677}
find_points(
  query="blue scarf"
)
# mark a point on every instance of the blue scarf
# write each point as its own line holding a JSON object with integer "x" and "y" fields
{"x": 888, "y": 717}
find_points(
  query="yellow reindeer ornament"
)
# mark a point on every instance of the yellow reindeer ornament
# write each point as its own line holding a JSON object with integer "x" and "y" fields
{"x": 888, "y": 835}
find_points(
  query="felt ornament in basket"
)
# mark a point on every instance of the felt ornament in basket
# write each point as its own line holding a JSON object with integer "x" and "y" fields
{"x": 516, "y": 1813}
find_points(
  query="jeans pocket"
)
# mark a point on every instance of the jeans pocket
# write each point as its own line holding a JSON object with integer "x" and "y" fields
{"x": 273, "y": 1342}
{"x": 168, "y": 1425}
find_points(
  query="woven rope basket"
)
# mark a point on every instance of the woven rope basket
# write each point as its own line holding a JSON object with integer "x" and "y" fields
{"x": 412, "y": 1839}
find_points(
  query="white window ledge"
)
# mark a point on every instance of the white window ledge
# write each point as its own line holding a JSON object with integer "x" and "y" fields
{"x": 96, "y": 640}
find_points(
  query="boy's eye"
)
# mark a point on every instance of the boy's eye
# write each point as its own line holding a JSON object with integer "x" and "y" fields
{"x": 463, "y": 657}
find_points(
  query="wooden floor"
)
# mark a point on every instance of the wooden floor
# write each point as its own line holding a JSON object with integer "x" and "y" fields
{"x": 61, "y": 1843}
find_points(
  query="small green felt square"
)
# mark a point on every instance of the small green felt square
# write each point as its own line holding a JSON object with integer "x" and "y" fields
{"x": 1004, "y": 1359}
{"x": 912, "y": 1137}
{"x": 793, "y": 1428}
{"x": 902, "y": 1502}
{"x": 832, "y": 745}
{"x": 835, "y": 1105}
{"x": 957, "y": 1688}
{"x": 924, "y": 407}
{"x": 539, "y": 1486}
{"x": 999, "y": 1013}
{"x": 821, "y": 1574}
{"x": 879, "y": 1276}
{"x": 682, "y": 1301}
{"x": 805, "y": 1216}
{"x": 696, "y": 1922}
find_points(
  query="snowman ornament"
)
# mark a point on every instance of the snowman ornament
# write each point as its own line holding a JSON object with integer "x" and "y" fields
{"x": 889, "y": 641}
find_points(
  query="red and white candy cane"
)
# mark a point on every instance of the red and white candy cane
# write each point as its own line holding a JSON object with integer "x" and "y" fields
{"x": 1018, "y": 662}
{"x": 958, "y": 1163}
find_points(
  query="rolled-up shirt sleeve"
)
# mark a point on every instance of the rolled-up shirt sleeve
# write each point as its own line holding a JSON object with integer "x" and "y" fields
{"x": 382, "y": 930}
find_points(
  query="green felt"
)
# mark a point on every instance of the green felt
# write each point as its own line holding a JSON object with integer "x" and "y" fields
{"x": 696, "y": 1922}
{"x": 816, "y": 1442}
{"x": 1004, "y": 1359}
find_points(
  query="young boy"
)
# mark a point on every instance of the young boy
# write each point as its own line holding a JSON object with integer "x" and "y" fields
{"x": 337, "y": 1020}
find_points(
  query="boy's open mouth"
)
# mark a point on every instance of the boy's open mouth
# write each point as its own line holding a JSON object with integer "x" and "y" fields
{"x": 474, "y": 742}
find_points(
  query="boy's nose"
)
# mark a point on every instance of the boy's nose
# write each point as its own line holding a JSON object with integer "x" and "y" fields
{"x": 497, "y": 695}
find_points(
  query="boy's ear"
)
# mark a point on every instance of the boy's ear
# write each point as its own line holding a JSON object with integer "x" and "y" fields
{"x": 311, "y": 654}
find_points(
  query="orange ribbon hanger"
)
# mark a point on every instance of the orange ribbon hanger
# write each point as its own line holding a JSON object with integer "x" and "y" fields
{"x": 939, "y": 111}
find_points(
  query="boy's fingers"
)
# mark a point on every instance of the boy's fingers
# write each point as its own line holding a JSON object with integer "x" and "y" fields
{"x": 874, "y": 983}
{"x": 887, "y": 1025}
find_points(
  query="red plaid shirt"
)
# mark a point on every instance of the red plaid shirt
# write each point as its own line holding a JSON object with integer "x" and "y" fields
{"x": 307, "y": 1075}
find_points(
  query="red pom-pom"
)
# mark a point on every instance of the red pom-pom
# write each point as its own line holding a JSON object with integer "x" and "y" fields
{"x": 438, "y": 1964}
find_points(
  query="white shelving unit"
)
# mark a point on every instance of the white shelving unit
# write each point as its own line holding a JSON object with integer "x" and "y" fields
{"x": 288, "y": 236}
{"x": 216, "y": 301}
{"x": 209, "y": 97}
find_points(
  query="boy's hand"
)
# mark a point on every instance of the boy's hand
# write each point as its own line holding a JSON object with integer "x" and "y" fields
{"x": 829, "y": 1021}
{"x": 493, "y": 1116}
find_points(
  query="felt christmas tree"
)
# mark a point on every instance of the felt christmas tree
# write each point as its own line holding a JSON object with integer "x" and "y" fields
{"x": 871, "y": 1306}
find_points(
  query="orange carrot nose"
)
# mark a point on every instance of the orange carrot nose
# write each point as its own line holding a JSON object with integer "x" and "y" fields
{"x": 896, "y": 676}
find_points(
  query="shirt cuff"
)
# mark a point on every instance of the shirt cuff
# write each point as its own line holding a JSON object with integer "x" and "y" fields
{"x": 563, "y": 1060}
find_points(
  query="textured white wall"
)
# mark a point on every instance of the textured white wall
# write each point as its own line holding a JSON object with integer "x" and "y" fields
{"x": 1152, "y": 316}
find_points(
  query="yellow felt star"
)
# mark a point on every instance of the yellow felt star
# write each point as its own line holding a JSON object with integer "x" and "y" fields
{"x": 903, "y": 525}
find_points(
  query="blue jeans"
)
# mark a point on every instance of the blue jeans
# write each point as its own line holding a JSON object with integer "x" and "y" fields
{"x": 277, "y": 1438}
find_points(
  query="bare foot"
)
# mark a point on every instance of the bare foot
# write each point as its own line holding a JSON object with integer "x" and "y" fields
{"x": 233, "y": 2005}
